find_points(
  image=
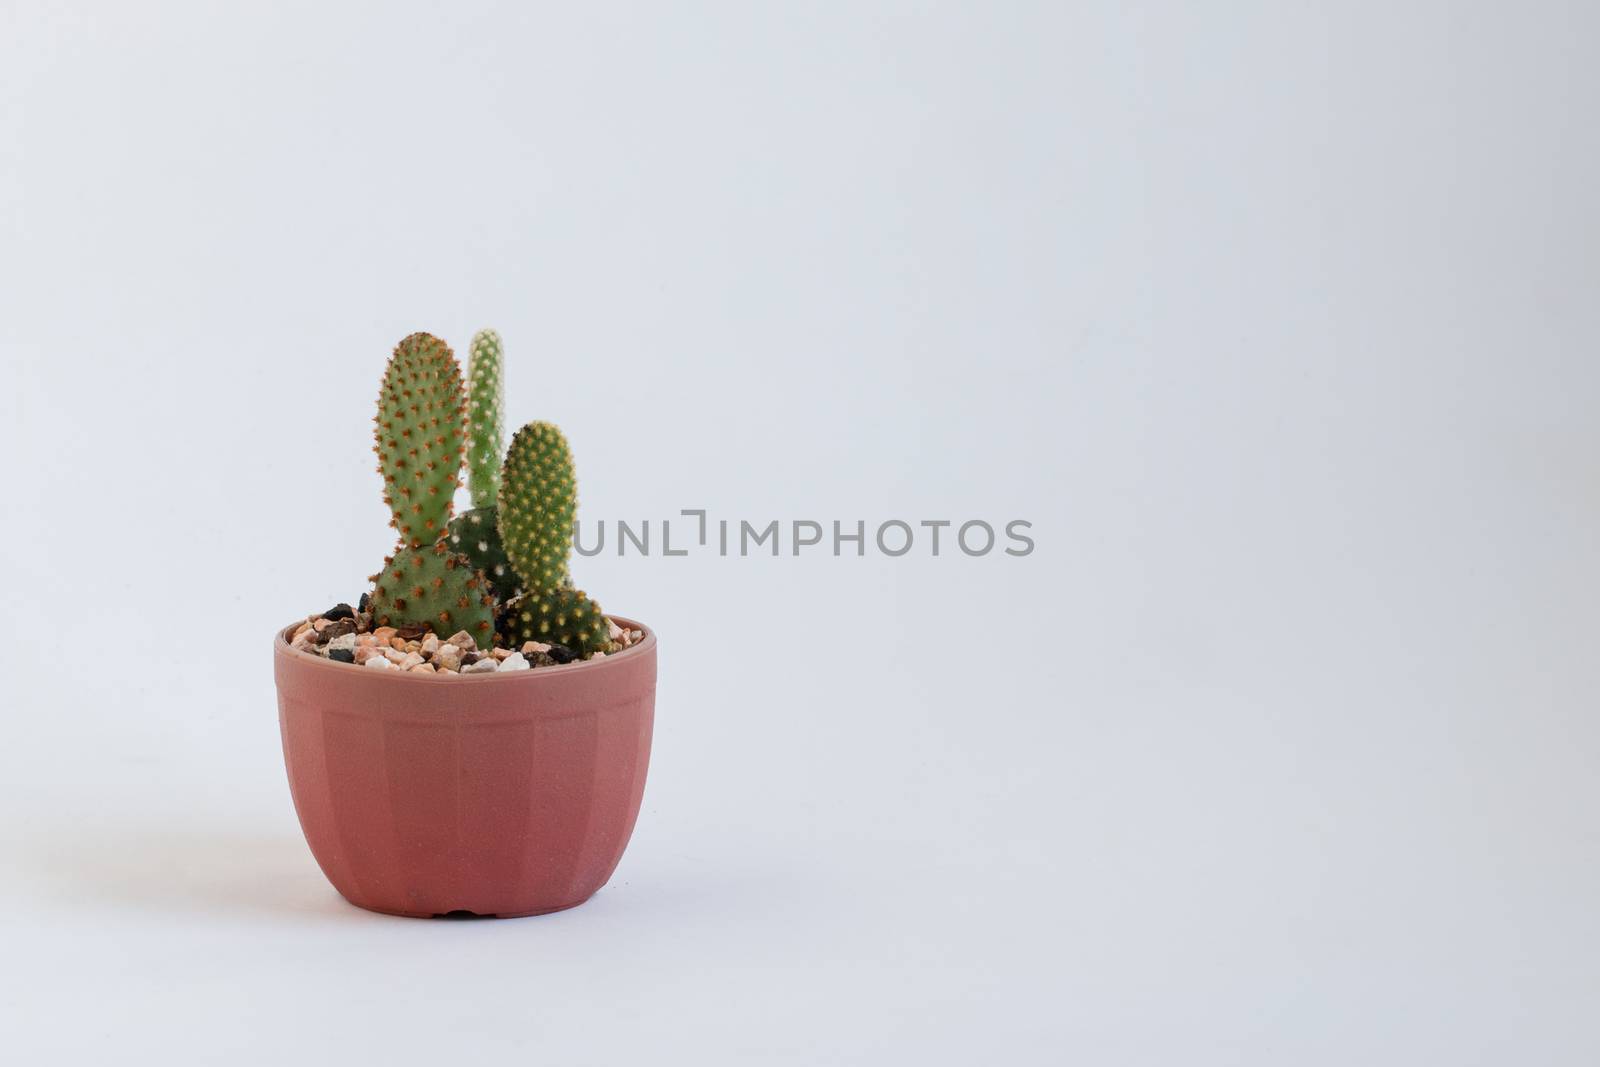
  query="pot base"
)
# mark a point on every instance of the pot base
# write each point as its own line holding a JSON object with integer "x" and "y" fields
{"x": 464, "y": 913}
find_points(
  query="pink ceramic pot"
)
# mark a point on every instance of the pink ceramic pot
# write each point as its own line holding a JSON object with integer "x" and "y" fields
{"x": 498, "y": 794}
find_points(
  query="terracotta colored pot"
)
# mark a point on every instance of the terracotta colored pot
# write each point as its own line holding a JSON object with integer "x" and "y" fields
{"x": 498, "y": 794}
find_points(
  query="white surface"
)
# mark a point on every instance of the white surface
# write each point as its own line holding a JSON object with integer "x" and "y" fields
{"x": 1278, "y": 321}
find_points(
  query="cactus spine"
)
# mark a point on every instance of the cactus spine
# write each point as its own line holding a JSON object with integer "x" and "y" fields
{"x": 420, "y": 439}
{"x": 485, "y": 414}
{"x": 538, "y": 501}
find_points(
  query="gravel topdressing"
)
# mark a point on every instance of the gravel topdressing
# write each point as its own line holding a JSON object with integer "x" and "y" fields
{"x": 346, "y": 635}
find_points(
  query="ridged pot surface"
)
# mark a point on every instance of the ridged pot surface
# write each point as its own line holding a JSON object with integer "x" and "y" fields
{"x": 500, "y": 794}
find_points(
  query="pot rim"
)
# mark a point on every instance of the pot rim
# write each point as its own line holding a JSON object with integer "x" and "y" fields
{"x": 281, "y": 647}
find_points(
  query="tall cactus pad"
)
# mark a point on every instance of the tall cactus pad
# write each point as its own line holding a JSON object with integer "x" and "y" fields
{"x": 421, "y": 436}
{"x": 538, "y": 498}
{"x": 563, "y": 616}
{"x": 476, "y": 535}
{"x": 433, "y": 587}
{"x": 486, "y": 416}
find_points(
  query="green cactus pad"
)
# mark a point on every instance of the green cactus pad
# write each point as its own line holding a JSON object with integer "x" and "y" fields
{"x": 561, "y": 616}
{"x": 421, "y": 436}
{"x": 538, "y": 498}
{"x": 476, "y": 535}
{"x": 485, "y": 416}
{"x": 433, "y": 587}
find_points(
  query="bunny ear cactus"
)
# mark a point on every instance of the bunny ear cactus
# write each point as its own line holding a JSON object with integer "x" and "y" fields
{"x": 420, "y": 436}
{"x": 420, "y": 440}
{"x": 485, "y": 413}
{"x": 476, "y": 533}
{"x": 538, "y": 501}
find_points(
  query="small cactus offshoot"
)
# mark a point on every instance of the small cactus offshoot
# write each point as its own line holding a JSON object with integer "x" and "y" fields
{"x": 561, "y": 616}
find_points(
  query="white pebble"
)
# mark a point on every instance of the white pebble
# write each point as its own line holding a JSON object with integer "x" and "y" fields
{"x": 344, "y": 641}
{"x": 483, "y": 666}
{"x": 513, "y": 662}
{"x": 380, "y": 663}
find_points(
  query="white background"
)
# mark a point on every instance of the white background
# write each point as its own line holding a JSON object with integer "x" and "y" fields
{"x": 1279, "y": 322}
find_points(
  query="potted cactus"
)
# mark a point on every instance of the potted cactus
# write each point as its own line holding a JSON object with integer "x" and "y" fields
{"x": 473, "y": 735}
